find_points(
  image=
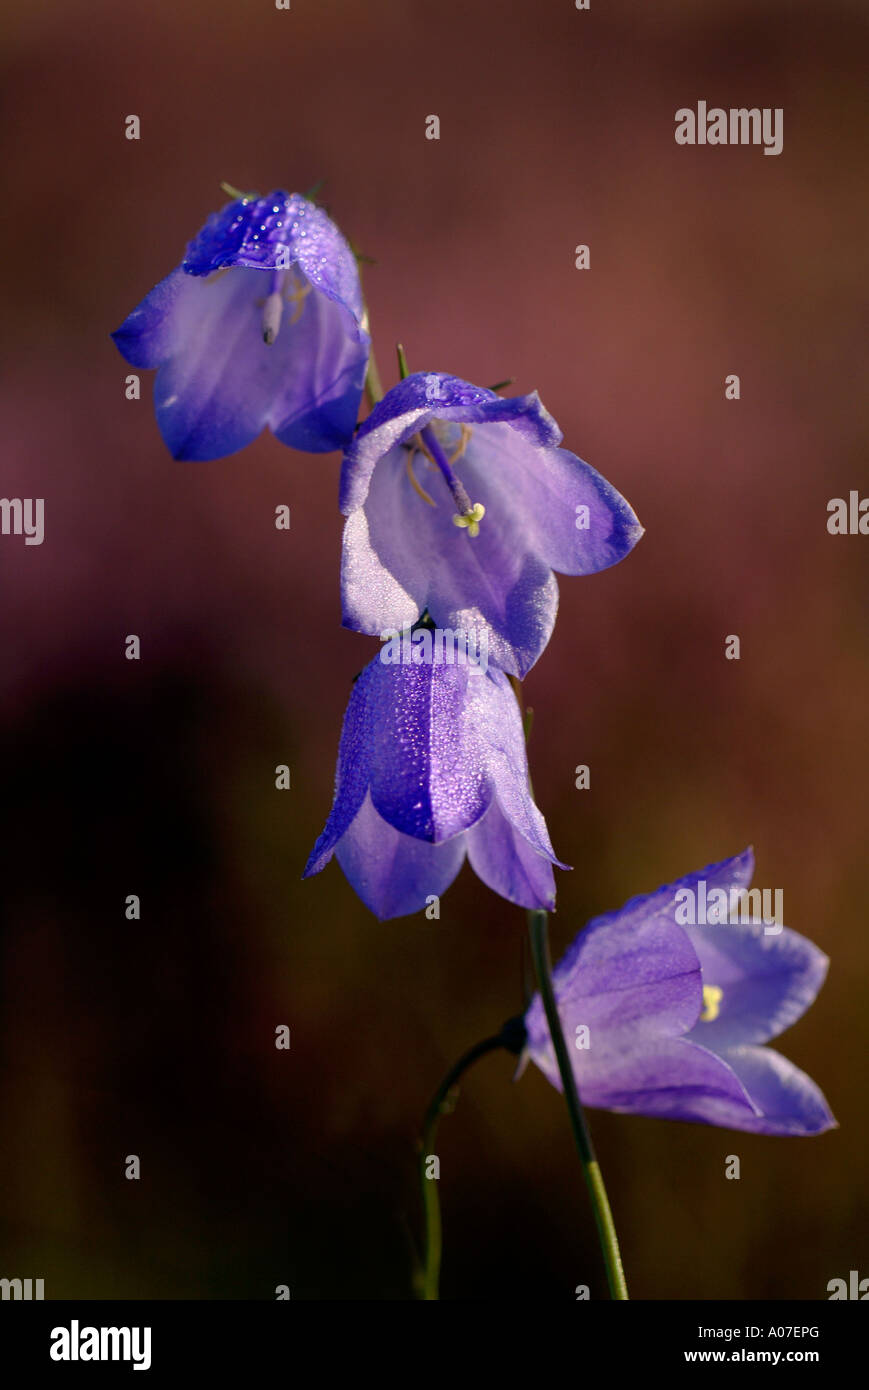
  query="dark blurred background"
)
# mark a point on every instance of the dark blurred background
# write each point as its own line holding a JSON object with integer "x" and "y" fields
{"x": 156, "y": 1037}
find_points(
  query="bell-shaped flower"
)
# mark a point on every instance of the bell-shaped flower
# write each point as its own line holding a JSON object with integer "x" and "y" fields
{"x": 668, "y": 1019}
{"x": 432, "y": 767}
{"x": 461, "y": 502}
{"x": 262, "y": 324}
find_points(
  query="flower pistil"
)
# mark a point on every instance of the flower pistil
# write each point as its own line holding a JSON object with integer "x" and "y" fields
{"x": 470, "y": 514}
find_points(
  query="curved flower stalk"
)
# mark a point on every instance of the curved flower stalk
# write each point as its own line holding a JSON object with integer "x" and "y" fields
{"x": 463, "y": 503}
{"x": 432, "y": 768}
{"x": 677, "y": 1015}
{"x": 262, "y": 324}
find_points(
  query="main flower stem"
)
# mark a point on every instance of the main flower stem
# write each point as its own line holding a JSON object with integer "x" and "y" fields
{"x": 430, "y": 1279}
{"x": 537, "y": 925}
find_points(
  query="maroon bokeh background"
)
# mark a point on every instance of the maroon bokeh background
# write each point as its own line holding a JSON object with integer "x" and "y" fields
{"x": 157, "y": 778}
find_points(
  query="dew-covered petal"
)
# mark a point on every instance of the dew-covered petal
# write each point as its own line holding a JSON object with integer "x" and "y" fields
{"x": 494, "y": 712}
{"x": 395, "y": 874}
{"x": 281, "y": 231}
{"x": 219, "y": 384}
{"x": 352, "y": 773}
{"x": 428, "y": 765}
{"x": 372, "y": 599}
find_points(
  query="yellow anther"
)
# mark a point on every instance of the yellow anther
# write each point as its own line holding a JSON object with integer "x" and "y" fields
{"x": 471, "y": 519}
{"x": 712, "y": 997}
{"x": 420, "y": 492}
{"x": 296, "y": 294}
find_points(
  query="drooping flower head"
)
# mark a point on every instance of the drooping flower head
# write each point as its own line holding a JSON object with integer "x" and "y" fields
{"x": 461, "y": 502}
{"x": 432, "y": 767}
{"x": 677, "y": 1016}
{"x": 262, "y": 324}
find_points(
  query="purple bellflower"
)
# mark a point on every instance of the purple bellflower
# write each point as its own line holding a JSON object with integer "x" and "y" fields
{"x": 461, "y": 502}
{"x": 432, "y": 767}
{"x": 262, "y": 324}
{"x": 677, "y": 1015}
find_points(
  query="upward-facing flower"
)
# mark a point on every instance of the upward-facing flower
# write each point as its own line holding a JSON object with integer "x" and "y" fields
{"x": 432, "y": 767}
{"x": 262, "y": 323}
{"x": 462, "y": 503}
{"x": 676, "y": 1015}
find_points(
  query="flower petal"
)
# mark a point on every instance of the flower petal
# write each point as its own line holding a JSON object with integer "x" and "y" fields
{"x": 669, "y": 1079}
{"x": 212, "y": 394}
{"x": 633, "y": 980}
{"x": 316, "y": 405}
{"x": 428, "y": 768}
{"x": 767, "y": 981}
{"x": 634, "y": 971}
{"x": 351, "y": 775}
{"x": 495, "y": 713}
{"x": 395, "y": 874}
{"x": 256, "y": 232}
{"x": 634, "y": 975}
{"x": 789, "y": 1101}
{"x": 507, "y": 864}
{"x": 372, "y": 598}
{"x": 546, "y": 488}
{"x": 149, "y": 334}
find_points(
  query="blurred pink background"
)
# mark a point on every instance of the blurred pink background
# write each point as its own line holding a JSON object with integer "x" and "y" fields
{"x": 157, "y": 778}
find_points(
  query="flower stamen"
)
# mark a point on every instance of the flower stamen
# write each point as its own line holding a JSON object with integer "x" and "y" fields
{"x": 712, "y": 997}
{"x": 463, "y": 444}
{"x": 469, "y": 514}
{"x": 297, "y": 296}
{"x": 418, "y": 489}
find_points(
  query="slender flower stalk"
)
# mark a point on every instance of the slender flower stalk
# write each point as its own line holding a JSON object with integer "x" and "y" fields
{"x": 430, "y": 1278}
{"x": 537, "y": 925}
{"x": 511, "y": 1039}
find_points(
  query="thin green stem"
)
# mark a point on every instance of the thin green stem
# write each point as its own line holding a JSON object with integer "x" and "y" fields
{"x": 537, "y": 925}
{"x": 430, "y": 1276}
{"x": 373, "y": 386}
